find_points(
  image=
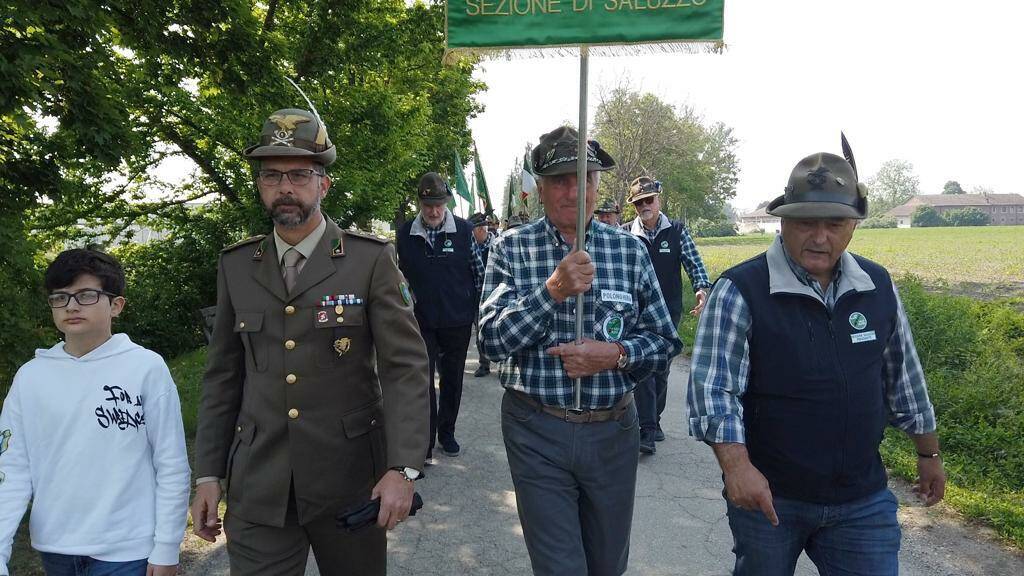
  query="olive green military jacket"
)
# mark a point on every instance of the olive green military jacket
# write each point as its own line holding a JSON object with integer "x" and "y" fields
{"x": 328, "y": 397}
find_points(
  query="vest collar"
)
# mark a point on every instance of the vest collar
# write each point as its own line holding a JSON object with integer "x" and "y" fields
{"x": 638, "y": 225}
{"x": 419, "y": 229}
{"x": 782, "y": 279}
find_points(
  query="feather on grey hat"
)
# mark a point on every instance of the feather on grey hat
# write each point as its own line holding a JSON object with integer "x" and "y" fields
{"x": 823, "y": 185}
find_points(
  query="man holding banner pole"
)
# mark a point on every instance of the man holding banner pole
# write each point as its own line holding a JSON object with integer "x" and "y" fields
{"x": 573, "y": 446}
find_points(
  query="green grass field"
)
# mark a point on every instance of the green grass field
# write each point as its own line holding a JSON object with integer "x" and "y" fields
{"x": 984, "y": 261}
{"x": 983, "y": 255}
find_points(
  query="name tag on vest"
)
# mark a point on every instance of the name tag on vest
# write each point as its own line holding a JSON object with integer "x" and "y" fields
{"x": 863, "y": 337}
{"x": 665, "y": 250}
{"x": 616, "y": 296}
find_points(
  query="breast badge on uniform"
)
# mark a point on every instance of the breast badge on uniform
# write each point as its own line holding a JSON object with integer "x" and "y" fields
{"x": 342, "y": 345}
{"x": 448, "y": 246}
{"x": 403, "y": 287}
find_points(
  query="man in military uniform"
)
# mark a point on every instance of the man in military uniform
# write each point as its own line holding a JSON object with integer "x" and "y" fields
{"x": 672, "y": 250}
{"x": 435, "y": 252}
{"x": 608, "y": 212}
{"x": 307, "y": 407}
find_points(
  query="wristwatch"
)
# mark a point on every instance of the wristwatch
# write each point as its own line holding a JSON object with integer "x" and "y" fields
{"x": 410, "y": 474}
{"x": 623, "y": 359}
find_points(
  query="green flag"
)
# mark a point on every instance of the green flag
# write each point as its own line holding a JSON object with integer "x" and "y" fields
{"x": 524, "y": 23}
{"x": 461, "y": 187}
{"x": 481, "y": 182}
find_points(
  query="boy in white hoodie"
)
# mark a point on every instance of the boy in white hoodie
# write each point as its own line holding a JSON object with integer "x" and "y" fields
{"x": 91, "y": 433}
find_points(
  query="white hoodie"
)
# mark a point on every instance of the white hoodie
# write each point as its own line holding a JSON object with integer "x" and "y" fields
{"x": 97, "y": 444}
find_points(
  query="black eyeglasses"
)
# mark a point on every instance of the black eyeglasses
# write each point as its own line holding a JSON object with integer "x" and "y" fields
{"x": 298, "y": 177}
{"x": 86, "y": 297}
{"x": 647, "y": 200}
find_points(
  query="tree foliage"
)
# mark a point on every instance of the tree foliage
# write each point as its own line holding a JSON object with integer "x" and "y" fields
{"x": 926, "y": 217}
{"x": 893, "y": 184}
{"x": 969, "y": 216}
{"x": 952, "y": 187}
{"x": 695, "y": 160}
{"x": 101, "y": 92}
{"x": 116, "y": 113}
{"x": 878, "y": 222}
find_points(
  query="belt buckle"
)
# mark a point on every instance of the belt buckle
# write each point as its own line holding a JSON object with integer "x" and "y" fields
{"x": 577, "y": 416}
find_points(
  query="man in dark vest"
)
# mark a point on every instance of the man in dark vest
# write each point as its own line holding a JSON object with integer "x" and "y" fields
{"x": 672, "y": 250}
{"x": 802, "y": 357}
{"x": 481, "y": 245}
{"x": 435, "y": 252}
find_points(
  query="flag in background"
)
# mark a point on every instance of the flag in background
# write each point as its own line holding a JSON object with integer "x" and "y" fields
{"x": 461, "y": 187}
{"x": 481, "y": 183}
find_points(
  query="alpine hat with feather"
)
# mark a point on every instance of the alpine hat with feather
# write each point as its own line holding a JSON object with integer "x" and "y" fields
{"x": 293, "y": 133}
{"x": 823, "y": 185}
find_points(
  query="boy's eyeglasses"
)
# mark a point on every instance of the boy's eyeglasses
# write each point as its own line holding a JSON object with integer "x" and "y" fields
{"x": 86, "y": 297}
{"x": 298, "y": 177}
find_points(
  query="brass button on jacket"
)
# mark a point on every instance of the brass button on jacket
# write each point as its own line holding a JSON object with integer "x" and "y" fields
{"x": 289, "y": 344}
{"x": 289, "y": 310}
{"x": 293, "y": 413}
{"x": 291, "y": 378}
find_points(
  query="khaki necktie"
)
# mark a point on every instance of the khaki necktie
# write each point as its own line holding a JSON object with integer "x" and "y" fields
{"x": 292, "y": 257}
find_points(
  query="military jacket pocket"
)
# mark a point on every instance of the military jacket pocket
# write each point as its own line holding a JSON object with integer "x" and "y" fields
{"x": 249, "y": 327}
{"x": 365, "y": 427}
{"x": 341, "y": 334}
{"x": 238, "y": 457}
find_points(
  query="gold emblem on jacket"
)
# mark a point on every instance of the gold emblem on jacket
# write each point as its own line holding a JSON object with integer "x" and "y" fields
{"x": 342, "y": 345}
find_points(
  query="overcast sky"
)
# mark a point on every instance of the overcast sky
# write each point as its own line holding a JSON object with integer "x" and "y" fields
{"x": 934, "y": 82}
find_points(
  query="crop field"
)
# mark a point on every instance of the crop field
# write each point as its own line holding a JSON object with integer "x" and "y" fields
{"x": 986, "y": 261}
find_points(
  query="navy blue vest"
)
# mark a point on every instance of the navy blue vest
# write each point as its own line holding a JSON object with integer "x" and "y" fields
{"x": 814, "y": 410}
{"x": 441, "y": 277}
{"x": 666, "y": 257}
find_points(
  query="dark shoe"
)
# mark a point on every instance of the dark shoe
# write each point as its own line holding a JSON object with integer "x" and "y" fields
{"x": 450, "y": 447}
{"x": 482, "y": 371}
{"x": 659, "y": 436}
{"x": 647, "y": 443}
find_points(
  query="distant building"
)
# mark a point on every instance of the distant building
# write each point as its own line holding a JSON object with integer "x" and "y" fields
{"x": 759, "y": 221}
{"x": 1002, "y": 209}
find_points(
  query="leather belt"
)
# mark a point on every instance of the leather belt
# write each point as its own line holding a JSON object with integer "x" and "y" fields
{"x": 613, "y": 414}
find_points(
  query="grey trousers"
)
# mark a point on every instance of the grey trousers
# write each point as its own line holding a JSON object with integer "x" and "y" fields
{"x": 574, "y": 488}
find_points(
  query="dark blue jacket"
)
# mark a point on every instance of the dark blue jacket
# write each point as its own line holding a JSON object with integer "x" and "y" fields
{"x": 441, "y": 277}
{"x": 815, "y": 408}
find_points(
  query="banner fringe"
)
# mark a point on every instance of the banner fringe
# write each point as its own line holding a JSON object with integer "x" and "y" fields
{"x": 509, "y": 53}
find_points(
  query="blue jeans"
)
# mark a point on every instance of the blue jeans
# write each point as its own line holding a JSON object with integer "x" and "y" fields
{"x": 64, "y": 565}
{"x": 858, "y": 538}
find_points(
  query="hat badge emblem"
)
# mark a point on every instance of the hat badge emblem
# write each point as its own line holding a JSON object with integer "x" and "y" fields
{"x": 816, "y": 178}
{"x": 286, "y": 124}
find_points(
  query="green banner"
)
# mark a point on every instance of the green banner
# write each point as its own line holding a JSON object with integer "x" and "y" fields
{"x": 481, "y": 183}
{"x": 461, "y": 186}
{"x": 525, "y": 23}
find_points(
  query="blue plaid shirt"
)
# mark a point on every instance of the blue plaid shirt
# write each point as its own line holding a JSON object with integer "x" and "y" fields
{"x": 720, "y": 365}
{"x": 519, "y": 319}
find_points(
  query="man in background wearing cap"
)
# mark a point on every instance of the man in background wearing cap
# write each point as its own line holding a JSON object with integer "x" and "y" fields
{"x": 574, "y": 470}
{"x": 482, "y": 241}
{"x": 672, "y": 250}
{"x": 314, "y": 397}
{"x": 436, "y": 254}
{"x": 802, "y": 357}
{"x": 608, "y": 212}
